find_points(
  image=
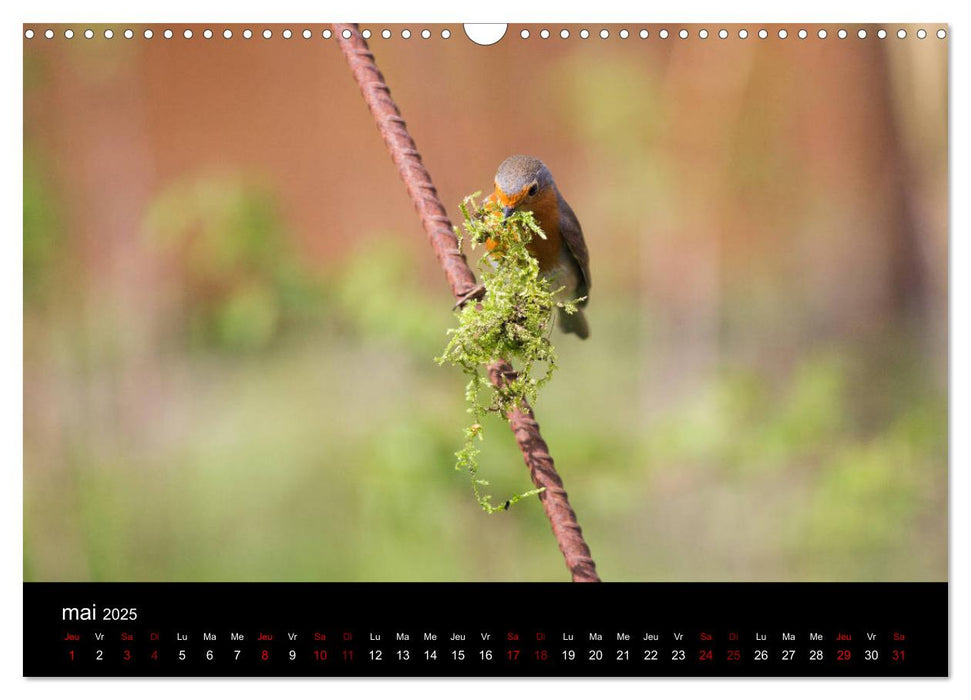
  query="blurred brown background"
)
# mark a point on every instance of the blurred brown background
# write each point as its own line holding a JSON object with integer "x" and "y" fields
{"x": 231, "y": 311}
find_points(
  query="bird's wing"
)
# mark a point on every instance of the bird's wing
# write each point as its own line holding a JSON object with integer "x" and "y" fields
{"x": 573, "y": 235}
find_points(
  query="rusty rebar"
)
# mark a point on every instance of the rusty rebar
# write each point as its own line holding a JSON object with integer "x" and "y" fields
{"x": 462, "y": 281}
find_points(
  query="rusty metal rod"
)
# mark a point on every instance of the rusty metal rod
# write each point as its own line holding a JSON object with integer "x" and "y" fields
{"x": 462, "y": 281}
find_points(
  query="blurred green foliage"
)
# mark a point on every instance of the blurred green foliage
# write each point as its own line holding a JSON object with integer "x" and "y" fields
{"x": 242, "y": 278}
{"x": 43, "y": 232}
{"x": 328, "y": 456}
{"x": 309, "y": 435}
{"x": 382, "y": 302}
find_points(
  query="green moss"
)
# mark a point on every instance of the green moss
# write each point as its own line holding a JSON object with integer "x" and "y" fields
{"x": 513, "y": 321}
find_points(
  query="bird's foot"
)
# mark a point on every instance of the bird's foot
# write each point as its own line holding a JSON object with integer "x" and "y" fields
{"x": 477, "y": 292}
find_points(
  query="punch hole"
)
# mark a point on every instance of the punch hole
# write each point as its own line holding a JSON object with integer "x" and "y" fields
{"x": 489, "y": 34}
{"x": 485, "y": 34}
{"x": 326, "y": 34}
{"x": 346, "y": 33}
{"x": 941, "y": 34}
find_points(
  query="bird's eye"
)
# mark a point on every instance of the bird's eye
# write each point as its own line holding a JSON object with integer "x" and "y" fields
{"x": 533, "y": 189}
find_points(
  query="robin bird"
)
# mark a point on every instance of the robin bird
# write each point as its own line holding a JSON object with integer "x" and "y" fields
{"x": 524, "y": 183}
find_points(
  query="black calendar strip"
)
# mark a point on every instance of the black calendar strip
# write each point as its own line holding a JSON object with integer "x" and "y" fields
{"x": 637, "y": 629}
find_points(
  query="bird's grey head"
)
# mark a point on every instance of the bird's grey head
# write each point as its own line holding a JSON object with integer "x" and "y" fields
{"x": 517, "y": 174}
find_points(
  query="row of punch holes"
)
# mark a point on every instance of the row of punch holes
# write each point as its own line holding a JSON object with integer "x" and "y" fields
{"x": 524, "y": 34}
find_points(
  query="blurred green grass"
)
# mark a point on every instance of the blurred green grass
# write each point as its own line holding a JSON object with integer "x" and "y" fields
{"x": 330, "y": 457}
{"x": 320, "y": 446}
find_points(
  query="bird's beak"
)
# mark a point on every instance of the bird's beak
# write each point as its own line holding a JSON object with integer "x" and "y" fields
{"x": 507, "y": 211}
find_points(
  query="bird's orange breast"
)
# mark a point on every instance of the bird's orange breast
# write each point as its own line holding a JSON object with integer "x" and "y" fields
{"x": 546, "y": 209}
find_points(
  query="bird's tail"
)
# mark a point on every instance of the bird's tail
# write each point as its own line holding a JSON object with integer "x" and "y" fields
{"x": 575, "y": 323}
